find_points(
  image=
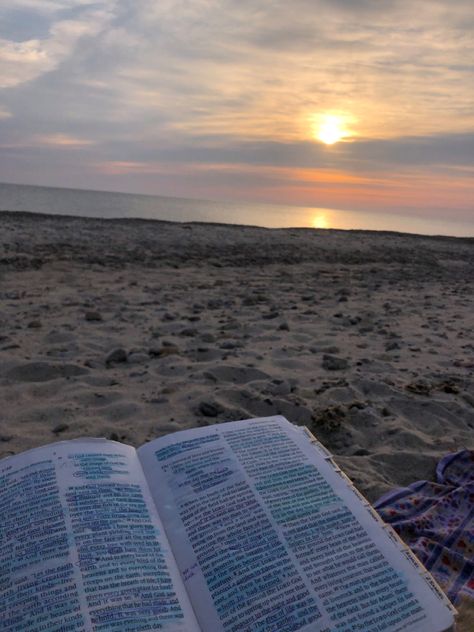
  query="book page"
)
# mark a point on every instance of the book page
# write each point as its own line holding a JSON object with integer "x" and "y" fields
{"x": 81, "y": 545}
{"x": 270, "y": 538}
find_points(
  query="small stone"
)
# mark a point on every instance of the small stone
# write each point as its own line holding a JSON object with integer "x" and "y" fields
{"x": 449, "y": 387}
{"x": 169, "y": 350}
{"x": 208, "y": 338}
{"x": 93, "y": 316}
{"x": 60, "y": 428}
{"x": 330, "y": 349}
{"x": 333, "y": 363}
{"x": 34, "y": 324}
{"x": 189, "y": 331}
{"x": 117, "y": 356}
{"x": 356, "y": 404}
{"x": 284, "y": 326}
{"x": 420, "y": 387}
{"x": 249, "y": 301}
{"x": 392, "y": 346}
{"x": 209, "y": 409}
{"x": 361, "y": 452}
{"x": 231, "y": 325}
{"x": 270, "y": 315}
{"x": 165, "y": 350}
{"x": 331, "y": 419}
{"x": 214, "y": 304}
{"x": 280, "y": 387}
{"x": 228, "y": 345}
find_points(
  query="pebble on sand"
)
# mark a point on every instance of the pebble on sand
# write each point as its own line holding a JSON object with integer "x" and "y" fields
{"x": 334, "y": 363}
{"x": 117, "y": 356}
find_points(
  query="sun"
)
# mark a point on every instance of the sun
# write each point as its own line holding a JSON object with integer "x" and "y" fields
{"x": 331, "y": 130}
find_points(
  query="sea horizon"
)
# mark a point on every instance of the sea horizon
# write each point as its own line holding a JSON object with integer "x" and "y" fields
{"x": 106, "y": 204}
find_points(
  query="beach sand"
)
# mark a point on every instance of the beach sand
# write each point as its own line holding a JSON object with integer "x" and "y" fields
{"x": 130, "y": 329}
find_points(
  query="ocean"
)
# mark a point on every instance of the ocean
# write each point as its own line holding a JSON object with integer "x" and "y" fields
{"x": 104, "y": 204}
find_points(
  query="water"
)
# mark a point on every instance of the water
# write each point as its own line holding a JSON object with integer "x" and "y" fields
{"x": 18, "y": 197}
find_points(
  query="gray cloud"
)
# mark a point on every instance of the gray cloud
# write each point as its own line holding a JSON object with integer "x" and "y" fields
{"x": 364, "y": 156}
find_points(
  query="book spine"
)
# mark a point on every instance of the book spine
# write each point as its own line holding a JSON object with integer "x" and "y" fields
{"x": 391, "y": 533}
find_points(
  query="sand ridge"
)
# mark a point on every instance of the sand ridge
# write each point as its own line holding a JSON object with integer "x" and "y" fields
{"x": 130, "y": 329}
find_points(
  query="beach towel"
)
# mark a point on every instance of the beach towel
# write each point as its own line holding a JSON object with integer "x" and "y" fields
{"x": 436, "y": 520}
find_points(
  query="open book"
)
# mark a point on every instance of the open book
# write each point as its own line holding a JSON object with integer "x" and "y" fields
{"x": 247, "y": 526}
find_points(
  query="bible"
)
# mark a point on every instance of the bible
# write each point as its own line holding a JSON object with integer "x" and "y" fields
{"x": 246, "y": 526}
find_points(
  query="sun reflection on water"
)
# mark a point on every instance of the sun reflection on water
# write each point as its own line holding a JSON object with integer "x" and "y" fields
{"x": 320, "y": 221}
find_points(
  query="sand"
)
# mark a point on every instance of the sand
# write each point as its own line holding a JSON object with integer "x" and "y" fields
{"x": 132, "y": 329}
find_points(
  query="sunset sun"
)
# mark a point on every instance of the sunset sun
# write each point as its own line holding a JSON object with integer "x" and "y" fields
{"x": 331, "y": 130}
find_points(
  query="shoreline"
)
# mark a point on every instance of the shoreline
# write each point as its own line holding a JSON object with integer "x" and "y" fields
{"x": 65, "y": 216}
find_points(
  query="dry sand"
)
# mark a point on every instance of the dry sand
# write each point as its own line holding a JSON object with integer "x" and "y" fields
{"x": 131, "y": 329}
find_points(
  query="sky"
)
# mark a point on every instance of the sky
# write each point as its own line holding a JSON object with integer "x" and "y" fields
{"x": 225, "y": 99}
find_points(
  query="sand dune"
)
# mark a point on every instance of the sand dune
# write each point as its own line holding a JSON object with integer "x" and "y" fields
{"x": 130, "y": 329}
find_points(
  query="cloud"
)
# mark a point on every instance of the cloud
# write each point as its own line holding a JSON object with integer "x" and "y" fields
{"x": 58, "y": 141}
{"x": 363, "y": 156}
{"x": 254, "y": 69}
{"x": 62, "y": 140}
{"x": 264, "y": 72}
{"x": 51, "y": 6}
{"x": 23, "y": 61}
{"x": 4, "y": 113}
{"x": 223, "y": 90}
{"x": 440, "y": 149}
